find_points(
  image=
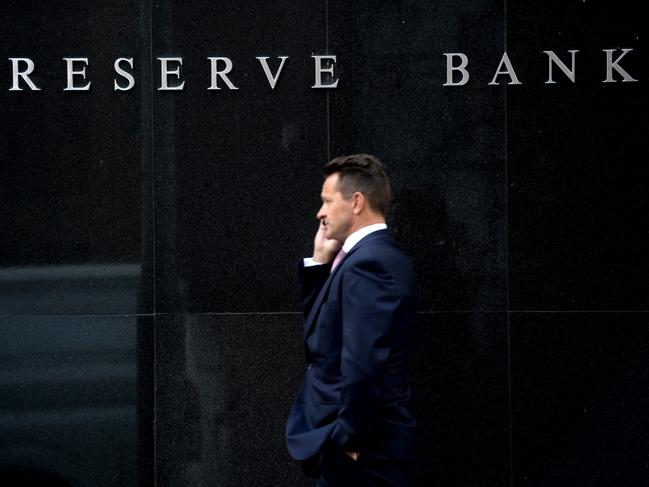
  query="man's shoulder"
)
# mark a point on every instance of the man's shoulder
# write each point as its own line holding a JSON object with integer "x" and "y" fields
{"x": 381, "y": 253}
{"x": 377, "y": 246}
{"x": 380, "y": 261}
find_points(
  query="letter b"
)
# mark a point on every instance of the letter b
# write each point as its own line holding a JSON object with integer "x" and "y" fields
{"x": 464, "y": 61}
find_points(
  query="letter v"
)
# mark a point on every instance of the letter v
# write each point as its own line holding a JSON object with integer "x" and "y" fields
{"x": 272, "y": 80}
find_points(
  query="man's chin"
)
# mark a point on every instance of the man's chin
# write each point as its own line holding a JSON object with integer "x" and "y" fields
{"x": 328, "y": 236}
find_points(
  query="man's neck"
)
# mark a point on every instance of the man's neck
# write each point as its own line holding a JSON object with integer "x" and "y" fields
{"x": 366, "y": 222}
{"x": 360, "y": 233}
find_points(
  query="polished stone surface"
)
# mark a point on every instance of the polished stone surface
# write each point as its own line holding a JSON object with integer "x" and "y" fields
{"x": 72, "y": 179}
{"x": 224, "y": 387}
{"x": 68, "y": 398}
{"x": 579, "y": 402}
{"x": 225, "y": 384}
{"x": 244, "y": 189}
{"x": 443, "y": 146}
{"x": 461, "y": 400}
{"x": 521, "y": 207}
{"x": 237, "y": 171}
{"x": 576, "y": 161}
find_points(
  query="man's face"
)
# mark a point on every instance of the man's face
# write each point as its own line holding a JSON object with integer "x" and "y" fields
{"x": 336, "y": 212}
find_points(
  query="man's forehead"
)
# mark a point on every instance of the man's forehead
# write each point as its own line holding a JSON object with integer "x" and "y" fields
{"x": 330, "y": 184}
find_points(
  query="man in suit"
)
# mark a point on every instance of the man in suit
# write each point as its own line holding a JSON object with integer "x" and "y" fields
{"x": 351, "y": 424}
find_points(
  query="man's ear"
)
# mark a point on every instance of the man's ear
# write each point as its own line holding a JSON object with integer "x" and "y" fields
{"x": 358, "y": 202}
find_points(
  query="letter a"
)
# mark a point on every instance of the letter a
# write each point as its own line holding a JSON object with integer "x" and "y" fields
{"x": 509, "y": 70}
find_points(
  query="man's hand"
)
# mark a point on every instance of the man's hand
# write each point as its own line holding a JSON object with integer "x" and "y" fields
{"x": 324, "y": 249}
{"x": 352, "y": 454}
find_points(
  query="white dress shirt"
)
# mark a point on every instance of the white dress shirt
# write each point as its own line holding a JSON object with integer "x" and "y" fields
{"x": 351, "y": 241}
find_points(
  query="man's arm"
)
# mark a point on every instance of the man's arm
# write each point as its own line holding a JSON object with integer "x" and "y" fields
{"x": 370, "y": 299}
{"x": 313, "y": 276}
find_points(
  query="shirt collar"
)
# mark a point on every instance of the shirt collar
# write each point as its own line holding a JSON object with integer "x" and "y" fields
{"x": 359, "y": 234}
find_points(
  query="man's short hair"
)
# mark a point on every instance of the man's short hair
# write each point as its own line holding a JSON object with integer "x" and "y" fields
{"x": 363, "y": 173}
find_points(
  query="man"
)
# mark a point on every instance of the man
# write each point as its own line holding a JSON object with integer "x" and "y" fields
{"x": 350, "y": 424}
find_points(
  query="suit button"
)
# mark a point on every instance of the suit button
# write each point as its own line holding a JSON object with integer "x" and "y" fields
{"x": 309, "y": 366}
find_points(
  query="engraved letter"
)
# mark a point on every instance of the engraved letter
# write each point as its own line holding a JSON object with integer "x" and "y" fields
{"x": 125, "y": 74}
{"x": 22, "y": 74}
{"x": 319, "y": 70}
{"x": 553, "y": 58}
{"x": 71, "y": 73}
{"x": 165, "y": 72}
{"x": 508, "y": 70}
{"x": 464, "y": 61}
{"x": 272, "y": 80}
{"x": 223, "y": 74}
{"x": 613, "y": 65}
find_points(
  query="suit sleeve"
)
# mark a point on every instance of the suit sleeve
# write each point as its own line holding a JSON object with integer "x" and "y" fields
{"x": 369, "y": 303}
{"x": 312, "y": 279}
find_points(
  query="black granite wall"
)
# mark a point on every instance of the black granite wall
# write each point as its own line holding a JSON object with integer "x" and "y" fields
{"x": 148, "y": 304}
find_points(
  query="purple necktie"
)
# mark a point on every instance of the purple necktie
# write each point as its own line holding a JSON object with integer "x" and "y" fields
{"x": 339, "y": 256}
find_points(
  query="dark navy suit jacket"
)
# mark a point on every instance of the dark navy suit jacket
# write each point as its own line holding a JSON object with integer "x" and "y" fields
{"x": 359, "y": 330}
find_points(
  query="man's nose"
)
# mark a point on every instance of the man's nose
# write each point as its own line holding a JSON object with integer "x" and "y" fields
{"x": 321, "y": 213}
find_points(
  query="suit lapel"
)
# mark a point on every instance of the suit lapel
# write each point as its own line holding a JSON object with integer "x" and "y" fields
{"x": 315, "y": 309}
